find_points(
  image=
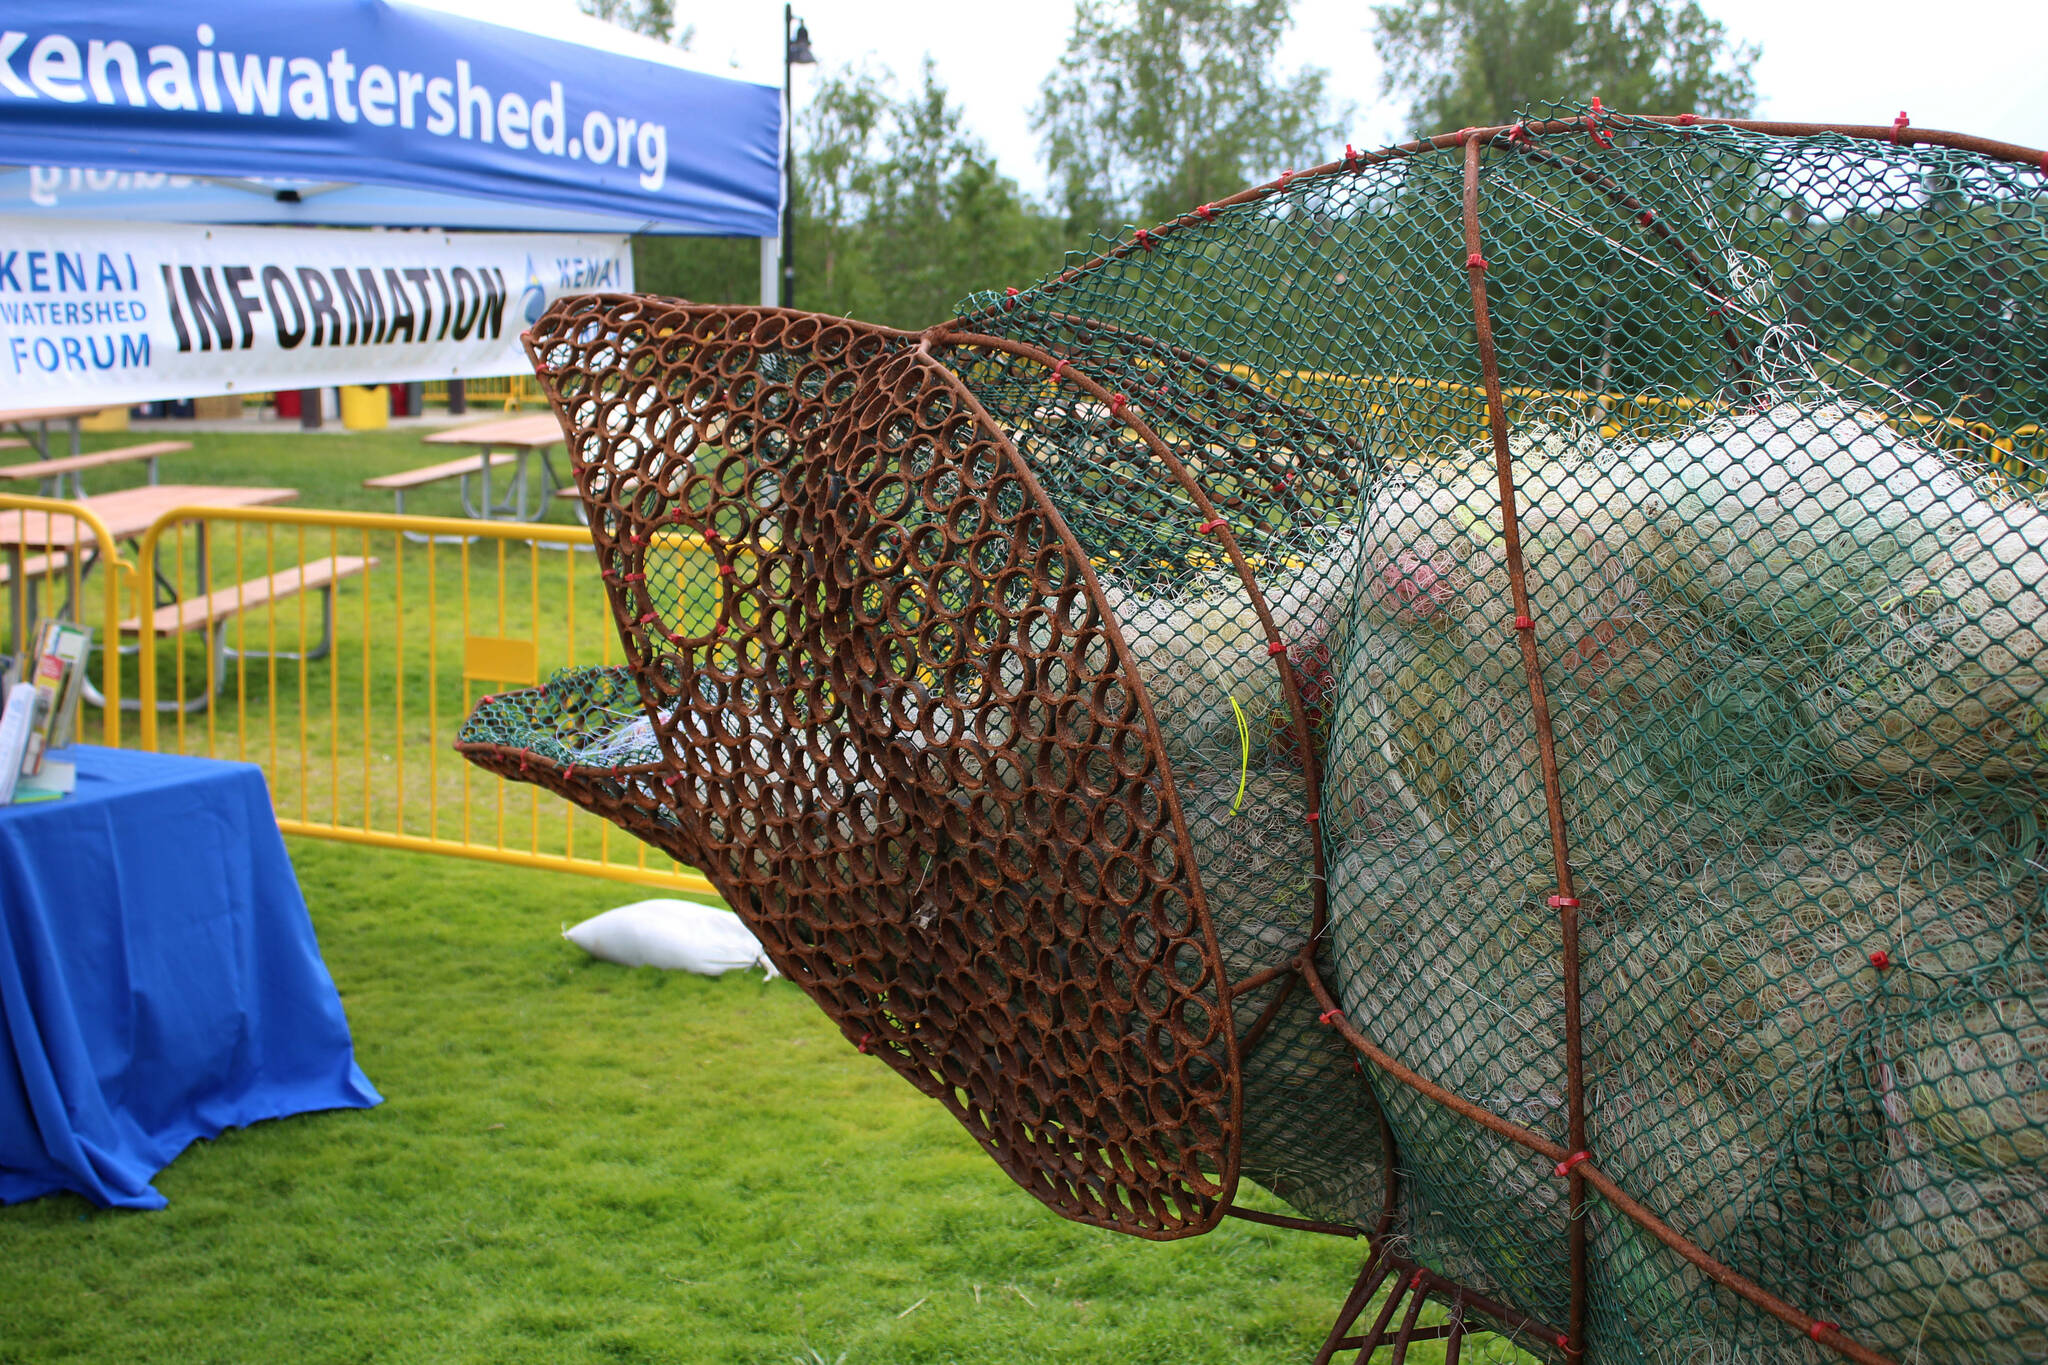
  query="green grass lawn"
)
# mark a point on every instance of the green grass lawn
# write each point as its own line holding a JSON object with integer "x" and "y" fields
{"x": 578, "y": 1162}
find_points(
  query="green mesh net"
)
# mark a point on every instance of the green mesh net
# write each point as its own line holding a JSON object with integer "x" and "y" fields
{"x": 1159, "y": 713}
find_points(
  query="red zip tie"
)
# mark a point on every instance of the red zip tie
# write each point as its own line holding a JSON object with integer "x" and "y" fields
{"x": 1285, "y": 176}
{"x": 1592, "y": 122}
{"x": 1564, "y": 902}
{"x": 1898, "y": 126}
{"x": 569, "y": 772}
{"x": 650, "y": 616}
{"x": 1415, "y": 1280}
{"x": 724, "y": 569}
{"x": 1687, "y": 120}
{"x": 1118, "y": 403}
{"x": 1524, "y": 623}
{"x": 1144, "y": 239}
{"x": 1059, "y": 367}
{"x": 487, "y": 699}
{"x": 633, "y": 578}
{"x": 1206, "y": 212}
{"x": 1881, "y": 960}
{"x": 865, "y": 1039}
{"x": 1211, "y": 526}
{"x": 1564, "y": 1344}
{"x": 1313, "y": 816}
{"x": 1647, "y": 217}
{"x": 675, "y": 637}
{"x": 1350, "y": 157}
{"x": 1274, "y": 647}
{"x": 1010, "y": 298}
{"x": 1475, "y": 262}
{"x": 670, "y": 781}
{"x": 1821, "y": 1325}
{"x": 1565, "y": 1167}
{"x": 1520, "y": 133}
{"x": 1327, "y": 1015}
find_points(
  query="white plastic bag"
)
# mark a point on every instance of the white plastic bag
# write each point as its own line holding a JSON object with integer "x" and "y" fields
{"x": 674, "y": 935}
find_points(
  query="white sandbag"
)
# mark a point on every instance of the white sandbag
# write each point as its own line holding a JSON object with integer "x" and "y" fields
{"x": 674, "y": 935}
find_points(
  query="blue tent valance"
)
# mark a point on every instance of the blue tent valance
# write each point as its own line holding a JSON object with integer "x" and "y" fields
{"x": 375, "y": 93}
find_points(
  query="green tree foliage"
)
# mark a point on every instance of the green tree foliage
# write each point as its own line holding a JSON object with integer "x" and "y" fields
{"x": 899, "y": 211}
{"x": 654, "y": 18}
{"x": 1159, "y": 105}
{"x": 1472, "y": 63}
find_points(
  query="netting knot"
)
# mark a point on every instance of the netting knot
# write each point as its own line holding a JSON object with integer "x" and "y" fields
{"x": 1211, "y": 526}
{"x": 1524, "y": 623}
{"x": 1275, "y": 648}
{"x": 1564, "y": 902}
{"x": 1564, "y": 1168}
{"x": 1144, "y": 239}
{"x": 1881, "y": 960}
{"x": 1475, "y": 262}
{"x": 1898, "y": 126}
{"x": 1822, "y": 1325}
{"x": 1327, "y": 1017}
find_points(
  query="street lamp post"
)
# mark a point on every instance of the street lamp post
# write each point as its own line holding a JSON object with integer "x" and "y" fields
{"x": 796, "y": 51}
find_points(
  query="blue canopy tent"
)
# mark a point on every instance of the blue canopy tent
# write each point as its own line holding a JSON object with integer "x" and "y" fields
{"x": 361, "y": 112}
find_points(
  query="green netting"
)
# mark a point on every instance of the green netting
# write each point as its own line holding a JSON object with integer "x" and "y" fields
{"x": 1774, "y": 411}
{"x": 1776, "y": 469}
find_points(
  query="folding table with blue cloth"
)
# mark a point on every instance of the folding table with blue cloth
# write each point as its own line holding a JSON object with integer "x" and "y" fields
{"x": 159, "y": 977}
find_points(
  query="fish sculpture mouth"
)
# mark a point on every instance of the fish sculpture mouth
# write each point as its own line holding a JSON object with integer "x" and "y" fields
{"x": 882, "y": 698}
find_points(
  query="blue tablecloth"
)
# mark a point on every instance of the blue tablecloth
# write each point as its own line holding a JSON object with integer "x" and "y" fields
{"x": 159, "y": 978}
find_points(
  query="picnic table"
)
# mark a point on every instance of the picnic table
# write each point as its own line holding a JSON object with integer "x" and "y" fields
{"x": 21, "y": 419}
{"x": 44, "y": 542}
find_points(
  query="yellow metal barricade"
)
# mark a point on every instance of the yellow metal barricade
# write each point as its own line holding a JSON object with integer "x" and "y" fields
{"x": 58, "y": 559}
{"x": 341, "y": 652}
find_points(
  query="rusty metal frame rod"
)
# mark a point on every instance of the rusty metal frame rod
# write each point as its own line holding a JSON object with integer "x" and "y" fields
{"x": 2003, "y": 151}
{"x": 1524, "y": 630}
{"x": 1226, "y": 1179}
{"x": 1227, "y": 536}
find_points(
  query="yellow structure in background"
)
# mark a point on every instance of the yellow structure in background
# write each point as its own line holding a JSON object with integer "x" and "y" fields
{"x": 365, "y": 408}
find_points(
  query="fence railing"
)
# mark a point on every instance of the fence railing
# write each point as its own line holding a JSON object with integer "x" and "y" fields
{"x": 341, "y": 652}
{"x": 49, "y": 551}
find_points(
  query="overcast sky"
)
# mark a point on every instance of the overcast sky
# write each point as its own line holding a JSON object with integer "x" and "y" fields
{"x": 1974, "y": 66}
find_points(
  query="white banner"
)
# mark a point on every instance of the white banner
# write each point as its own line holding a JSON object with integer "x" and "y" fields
{"x": 118, "y": 313}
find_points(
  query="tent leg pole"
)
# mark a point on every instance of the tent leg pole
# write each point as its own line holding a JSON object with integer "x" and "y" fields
{"x": 771, "y": 271}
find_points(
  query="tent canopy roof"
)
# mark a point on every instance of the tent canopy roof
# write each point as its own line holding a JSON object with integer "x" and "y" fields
{"x": 357, "y": 111}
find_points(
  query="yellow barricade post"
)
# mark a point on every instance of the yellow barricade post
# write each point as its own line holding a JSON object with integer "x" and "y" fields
{"x": 48, "y": 549}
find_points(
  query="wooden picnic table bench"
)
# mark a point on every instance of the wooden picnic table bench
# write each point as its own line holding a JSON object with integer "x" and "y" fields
{"x": 213, "y": 612}
{"x": 52, "y": 472}
{"x": 462, "y": 467}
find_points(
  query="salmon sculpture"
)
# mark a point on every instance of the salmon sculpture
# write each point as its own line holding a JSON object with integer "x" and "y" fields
{"x": 1492, "y": 688}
